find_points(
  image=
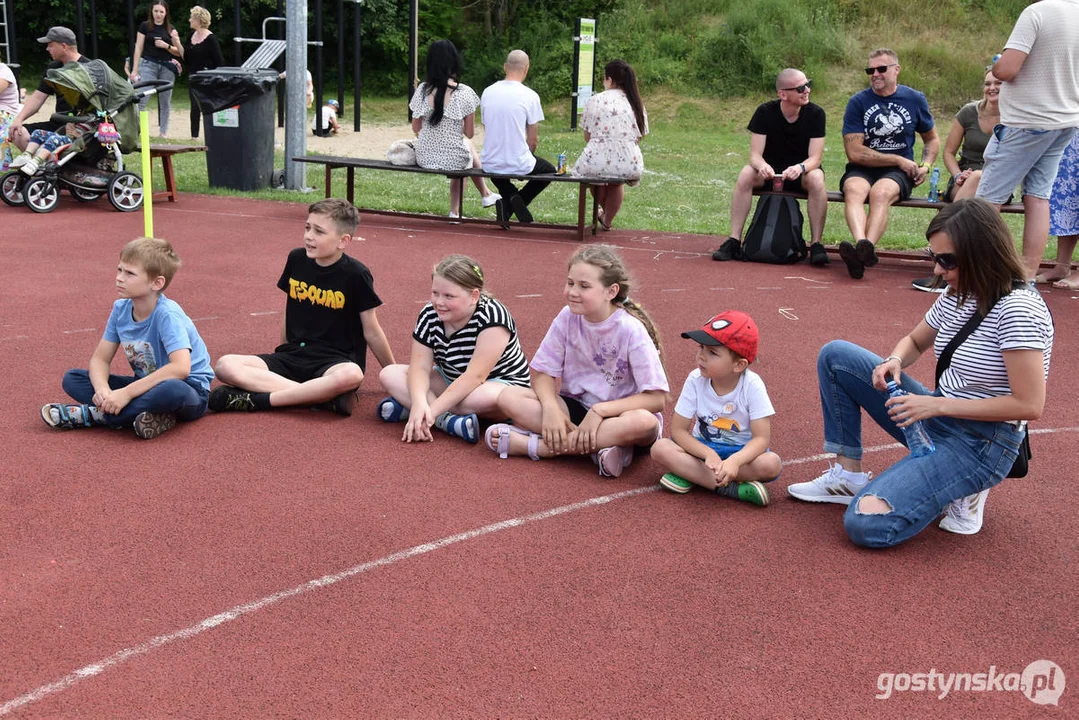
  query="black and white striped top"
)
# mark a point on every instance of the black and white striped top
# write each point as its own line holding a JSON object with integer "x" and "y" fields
{"x": 1019, "y": 321}
{"x": 453, "y": 355}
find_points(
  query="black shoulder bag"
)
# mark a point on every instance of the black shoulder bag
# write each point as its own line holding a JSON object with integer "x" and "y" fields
{"x": 1022, "y": 459}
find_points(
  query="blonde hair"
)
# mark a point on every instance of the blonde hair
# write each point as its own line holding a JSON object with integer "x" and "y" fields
{"x": 201, "y": 15}
{"x": 613, "y": 271}
{"x": 154, "y": 255}
{"x": 462, "y": 271}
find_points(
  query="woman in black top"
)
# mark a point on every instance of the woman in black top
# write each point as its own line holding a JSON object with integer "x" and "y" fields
{"x": 156, "y": 47}
{"x": 201, "y": 52}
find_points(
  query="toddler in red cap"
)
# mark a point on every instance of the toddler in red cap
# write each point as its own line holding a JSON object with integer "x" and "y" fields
{"x": 722, "y": 423}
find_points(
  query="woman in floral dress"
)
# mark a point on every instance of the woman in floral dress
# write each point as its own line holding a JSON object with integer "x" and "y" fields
{"x": 1064, "y": 219}
{"x": 613, "y": 122}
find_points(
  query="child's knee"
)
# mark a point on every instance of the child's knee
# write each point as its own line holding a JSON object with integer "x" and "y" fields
{"x": 347, "y": 377}
{"x": 391, "y": 375}
{"x": 770, "y": 465}
{"x": 642, "y": 424}
{"x": 226, "y": 367}
{"x": 663, "y": 450}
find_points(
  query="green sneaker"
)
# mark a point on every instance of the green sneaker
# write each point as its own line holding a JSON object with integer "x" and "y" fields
{"x": 675, "y": 484}
{"x": 750, "y": 492}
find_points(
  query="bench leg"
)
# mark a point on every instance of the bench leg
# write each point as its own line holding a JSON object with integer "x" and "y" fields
{"x": 350, "y": 188}
{"x": 170, "y": 177}
{"x": 329, "y": 182}
{"x": 460, "y": 196}
{"x": 582, "y": 189}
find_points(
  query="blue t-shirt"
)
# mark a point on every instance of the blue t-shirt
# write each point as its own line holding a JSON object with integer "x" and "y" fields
{"x": 147, "y": 344}
{"x": 888, "y": 123}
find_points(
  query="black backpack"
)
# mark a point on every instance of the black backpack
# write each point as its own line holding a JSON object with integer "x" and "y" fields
{"x": 775, "y": 235}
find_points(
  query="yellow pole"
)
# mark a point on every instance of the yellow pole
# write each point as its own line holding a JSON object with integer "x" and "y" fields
{"x": 147, "y": 183}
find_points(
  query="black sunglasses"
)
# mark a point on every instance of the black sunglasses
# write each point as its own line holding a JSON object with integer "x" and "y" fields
{"x": 878, "y": 69}
{"x": 799, "y": 88}
{"x": 947, "y": 261}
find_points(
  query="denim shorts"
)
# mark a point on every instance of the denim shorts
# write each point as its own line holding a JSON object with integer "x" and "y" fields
{"x": 1016, "y": 155}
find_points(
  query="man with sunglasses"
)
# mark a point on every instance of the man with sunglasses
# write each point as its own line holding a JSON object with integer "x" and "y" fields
{"x": 1039, "y": 113}
{"x": 879, "y": 131}
{"x": 786, "y": 143}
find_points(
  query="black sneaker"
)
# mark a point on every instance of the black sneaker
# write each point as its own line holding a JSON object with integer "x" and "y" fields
{"x": 149, "y": 425}
{"x": 929, "y": 284}
{"x": 502, "y": 213}
{"x": 731, "y": 249}
{"x": 230, "y": 399}
{"x": 855, "y": 266}
{"x": 341, "y": 405}
{"x": 867, "y": 252}
{"x": 520, "y": 209}
{"x": 818, "y": 255}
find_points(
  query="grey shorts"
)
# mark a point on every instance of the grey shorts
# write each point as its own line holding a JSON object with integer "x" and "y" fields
{"x": 1016, "y": 155}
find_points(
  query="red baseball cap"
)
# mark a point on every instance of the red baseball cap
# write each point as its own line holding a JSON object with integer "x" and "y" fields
{"x": 733, "y": 329}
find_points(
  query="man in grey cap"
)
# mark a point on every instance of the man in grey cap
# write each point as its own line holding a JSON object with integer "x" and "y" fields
{"x": 62, "y": 47}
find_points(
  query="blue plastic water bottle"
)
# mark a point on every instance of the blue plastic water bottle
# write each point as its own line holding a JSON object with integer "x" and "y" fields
{"x": 934, "y": 182}
{"x": 918, "y": 441}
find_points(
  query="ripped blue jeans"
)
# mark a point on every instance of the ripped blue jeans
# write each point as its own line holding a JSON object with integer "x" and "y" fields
{"x": 970, "y": 455}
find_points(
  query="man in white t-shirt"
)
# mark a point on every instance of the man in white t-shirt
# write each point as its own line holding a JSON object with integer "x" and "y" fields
{"x": 511, "y": 117}
{"x": 1039, "y": 113}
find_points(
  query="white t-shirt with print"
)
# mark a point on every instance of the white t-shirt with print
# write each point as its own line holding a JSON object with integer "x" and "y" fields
{"x": 724, "y": 419}
{"x": 508, "y": 108}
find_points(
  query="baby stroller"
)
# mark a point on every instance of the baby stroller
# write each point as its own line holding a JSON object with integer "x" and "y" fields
{"x": 93, "y": 164}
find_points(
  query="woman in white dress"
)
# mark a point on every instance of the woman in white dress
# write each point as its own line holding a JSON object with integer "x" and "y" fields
{"x": 613, "y": 122}
{"x": 444, "y": 118}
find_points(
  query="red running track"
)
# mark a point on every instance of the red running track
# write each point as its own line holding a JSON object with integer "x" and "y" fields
{"x": 173, "y": 578}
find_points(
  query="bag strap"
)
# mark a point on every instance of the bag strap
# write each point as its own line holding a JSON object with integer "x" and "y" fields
{"x": 945, "y": 359}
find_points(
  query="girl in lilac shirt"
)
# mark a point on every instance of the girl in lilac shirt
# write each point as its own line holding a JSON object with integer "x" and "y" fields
{"x": 605, "y": 350}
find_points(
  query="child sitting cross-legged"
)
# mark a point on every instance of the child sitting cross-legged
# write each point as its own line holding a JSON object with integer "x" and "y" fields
{"x": 171, "y": 365}
{"x": 722, "y": 423}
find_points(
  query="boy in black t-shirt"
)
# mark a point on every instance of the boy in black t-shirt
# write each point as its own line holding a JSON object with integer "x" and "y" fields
{"x": 328, "y": 325}
{"x": 785, "y": 152}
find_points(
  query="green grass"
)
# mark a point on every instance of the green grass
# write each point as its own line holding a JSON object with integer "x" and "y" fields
{"x": 692, "y": 156}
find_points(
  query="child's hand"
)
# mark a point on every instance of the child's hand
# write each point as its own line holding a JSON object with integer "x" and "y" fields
{"x": 101, "y": 396}
{"x": 116, "y": 401}
{"x": 727, "y": 472}
{"x": 556, "y": 426}
{"x": 418, "y": 427}
{"x": 713, "y": 461}
{"x": 583, "y": 439}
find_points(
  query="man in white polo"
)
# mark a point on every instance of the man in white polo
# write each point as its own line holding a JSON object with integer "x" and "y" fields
{"x": 1039, "y": 112}
{"x": 511, "y": 117}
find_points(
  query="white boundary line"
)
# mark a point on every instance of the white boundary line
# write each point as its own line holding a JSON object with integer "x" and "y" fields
{"x": 239, "y": 611}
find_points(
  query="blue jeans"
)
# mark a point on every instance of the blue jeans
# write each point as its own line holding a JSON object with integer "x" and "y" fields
{"x": 171, "y": 396}
{"x": 970, "y": 455}
{"x": 150, "y": 70}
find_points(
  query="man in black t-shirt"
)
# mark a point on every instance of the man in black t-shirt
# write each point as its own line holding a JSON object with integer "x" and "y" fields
{"x": 60, "y": 43}
{"x": 329, "y": 323}
{"x": 786, "y": 145}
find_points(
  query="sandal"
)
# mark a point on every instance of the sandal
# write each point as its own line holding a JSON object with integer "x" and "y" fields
{"x": 599, "y": 218}
{"x": 66, "y": 417}
{"x": 462, "y": 426}
{"x": 613, "y": 460}
{"x": 501, "y": 444}
{"x": 391, "y": 411}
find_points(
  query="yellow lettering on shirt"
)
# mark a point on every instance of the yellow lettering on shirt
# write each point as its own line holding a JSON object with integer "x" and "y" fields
{"x": 301, "y": 291}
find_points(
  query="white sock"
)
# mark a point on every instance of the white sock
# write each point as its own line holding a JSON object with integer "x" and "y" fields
{"x": 854, "y": 478}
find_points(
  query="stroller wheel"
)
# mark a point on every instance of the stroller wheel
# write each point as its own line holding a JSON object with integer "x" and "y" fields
{"x": 125, "y": 191}
{"x": 11, "y": 185}
{"x": 41, "y": 194}
{"x": 84, "y": 195}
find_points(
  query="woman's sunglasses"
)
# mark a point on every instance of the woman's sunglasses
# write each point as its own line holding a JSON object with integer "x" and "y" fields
{"x": 947, "y": 261}
{"x": 878, "y": 69}
{"x": 799, "y": 88}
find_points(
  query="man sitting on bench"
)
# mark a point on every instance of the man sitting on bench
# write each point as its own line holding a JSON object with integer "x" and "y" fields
{"x": 878, "y": 137}
{"x": 785, "y": 150}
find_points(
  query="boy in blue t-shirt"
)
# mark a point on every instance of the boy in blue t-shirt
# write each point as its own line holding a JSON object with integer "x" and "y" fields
{"x": 171, "y": 365}
{"x": 722, "y": 424}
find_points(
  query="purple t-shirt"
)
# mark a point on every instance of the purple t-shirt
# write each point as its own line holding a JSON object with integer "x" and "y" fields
{"x": 601, "y": 361}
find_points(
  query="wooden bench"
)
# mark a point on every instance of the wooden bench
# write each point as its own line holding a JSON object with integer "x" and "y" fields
{"x": 165, "y": 152}
{"x": 352, "y": 164}
{"x": 914, "y": 202}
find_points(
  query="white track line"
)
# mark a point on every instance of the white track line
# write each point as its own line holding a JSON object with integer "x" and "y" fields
{"x": 239, "y": 611}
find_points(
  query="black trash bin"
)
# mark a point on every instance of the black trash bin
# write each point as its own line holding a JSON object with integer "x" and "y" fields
{"x": 238, "y": 116}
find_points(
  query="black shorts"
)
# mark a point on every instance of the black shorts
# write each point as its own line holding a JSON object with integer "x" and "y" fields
{"x": 873, "y": 174}
{"x": 301, "y": 363}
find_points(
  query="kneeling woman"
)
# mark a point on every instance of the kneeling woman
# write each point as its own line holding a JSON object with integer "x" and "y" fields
{"x": 465, "y": 352}
{"x": 994, "y": 381}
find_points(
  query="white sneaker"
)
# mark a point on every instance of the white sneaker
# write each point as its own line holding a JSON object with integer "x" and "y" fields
{"x": 835, "y": 486}
{"x": 491, "y": 199}
{"x": 19, "y": 161}
{"x": 964, "y": 516}
{"x": 30, "y": 167}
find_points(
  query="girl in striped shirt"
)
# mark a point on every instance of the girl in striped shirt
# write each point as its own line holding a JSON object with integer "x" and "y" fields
{"x": 465, "y": 352}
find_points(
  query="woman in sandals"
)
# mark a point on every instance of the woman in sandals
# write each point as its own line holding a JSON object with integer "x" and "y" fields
{"x": 989, "y": 383}
{"x": 465, "y": 352}
{"x": 614, "y": 121}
